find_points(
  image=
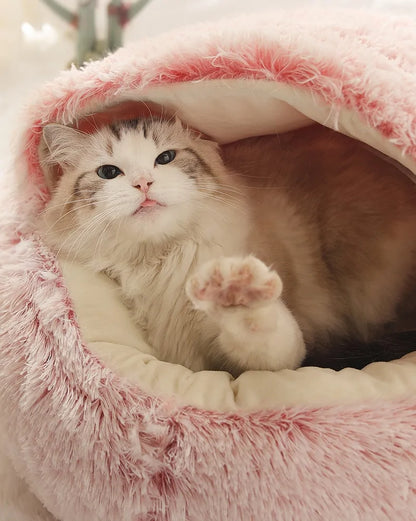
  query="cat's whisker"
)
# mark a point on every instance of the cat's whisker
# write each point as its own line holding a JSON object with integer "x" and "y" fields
{"x": 241, "y": 175}
{"x": 224, "y": 198}
{"x": 77, "y": 200}
{"x": 61, "y": 204}
{"x": 75, "y": 249}
{"x": 56, "y": 222}
{"x": 120, "y": 222}
{"x": 77, "y": 207}
{"x": 205, "y": 190}
{"x": 274, "y": 186}
{"x": 101, "y": 238}
{"x": 218, "y": 186}
{"x": 222, "y": 193}
{"x": 226, "y": 202}
{"x": 84, "y": 230}
{"x": 208, "y": 208}
{"x": 245, "y": 187}
{"x": 225, "y": 193}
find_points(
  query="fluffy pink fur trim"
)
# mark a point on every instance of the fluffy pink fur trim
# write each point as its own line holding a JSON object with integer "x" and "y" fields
{"x": 361, "y": 61}
{"x": 93, "y": 447}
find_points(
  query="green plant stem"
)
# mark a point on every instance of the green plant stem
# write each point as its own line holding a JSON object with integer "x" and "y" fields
{"x": 87, "y": 39}
{"x": 118, "y": 15}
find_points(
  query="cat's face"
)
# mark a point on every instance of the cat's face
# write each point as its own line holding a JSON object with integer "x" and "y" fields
{"x": 143, "y": 179}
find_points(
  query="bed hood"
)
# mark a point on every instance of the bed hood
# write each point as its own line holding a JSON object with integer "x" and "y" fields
{"x": 90, "y": 435}
{"x": 260, "y": 74}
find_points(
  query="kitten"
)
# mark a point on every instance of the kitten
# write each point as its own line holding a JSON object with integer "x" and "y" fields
{"x": 236, "y": 259}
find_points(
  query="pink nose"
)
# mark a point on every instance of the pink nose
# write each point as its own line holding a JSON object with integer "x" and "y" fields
{"x": 143, "y": 184}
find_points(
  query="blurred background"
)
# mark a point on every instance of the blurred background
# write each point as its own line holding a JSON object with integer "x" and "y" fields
{"x": 36, "y": 43}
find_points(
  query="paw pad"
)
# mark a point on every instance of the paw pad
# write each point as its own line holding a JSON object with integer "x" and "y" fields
{"x": 233, "y": 281}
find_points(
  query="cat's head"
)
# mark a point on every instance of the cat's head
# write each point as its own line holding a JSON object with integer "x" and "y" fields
{"x": 138, "y": 180}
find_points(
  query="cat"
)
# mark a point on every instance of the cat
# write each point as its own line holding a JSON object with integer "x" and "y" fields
{"x": 252, "y": 255}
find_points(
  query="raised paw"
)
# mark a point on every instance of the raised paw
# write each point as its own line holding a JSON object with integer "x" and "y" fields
{"x": 233, "y": 281}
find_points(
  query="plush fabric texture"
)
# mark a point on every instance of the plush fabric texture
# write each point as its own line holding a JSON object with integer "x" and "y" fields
{"x": 93, "y": 447}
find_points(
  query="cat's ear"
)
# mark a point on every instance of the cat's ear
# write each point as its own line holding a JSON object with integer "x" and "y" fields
{"x": 196, "y": 134}
{"x": 177, "y": 121}
{"x": 64, "y": 145}
{"x": 60, "y": 148}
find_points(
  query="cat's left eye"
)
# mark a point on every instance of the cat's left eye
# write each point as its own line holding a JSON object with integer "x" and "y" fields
{"x": 108, "y": 171}
{"x": 165, "y": 157}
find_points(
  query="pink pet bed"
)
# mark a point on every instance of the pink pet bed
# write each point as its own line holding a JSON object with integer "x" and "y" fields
{"x": 101, "y": 430}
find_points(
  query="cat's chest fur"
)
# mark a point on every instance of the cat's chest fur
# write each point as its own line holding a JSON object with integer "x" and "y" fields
{"x": 153, "y": 287}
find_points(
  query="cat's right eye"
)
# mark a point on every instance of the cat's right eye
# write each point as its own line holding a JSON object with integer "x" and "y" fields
{"x": 108, "y": 171}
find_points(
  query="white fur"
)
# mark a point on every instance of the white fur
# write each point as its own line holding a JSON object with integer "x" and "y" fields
{"x": 152, "y": 253}
{"x": 337, "y": 285}
{"x": 255, "y": 331}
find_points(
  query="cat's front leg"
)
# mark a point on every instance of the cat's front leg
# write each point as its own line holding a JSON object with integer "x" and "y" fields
{"x": 257, "y": 330}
